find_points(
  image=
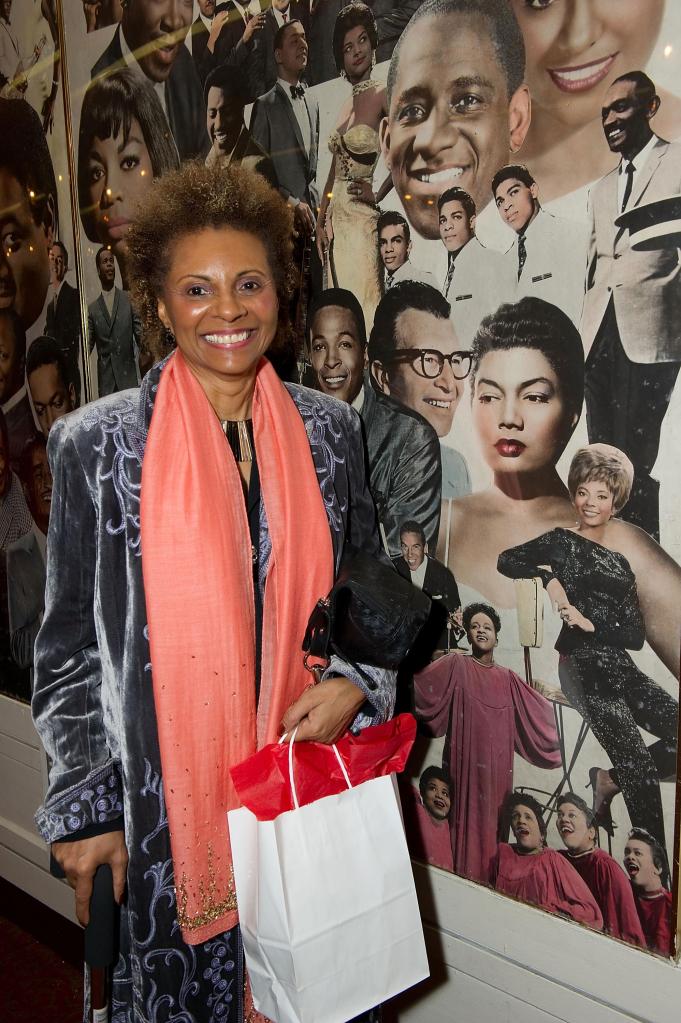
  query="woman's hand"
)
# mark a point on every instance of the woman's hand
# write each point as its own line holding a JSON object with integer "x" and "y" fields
{"x": 575, "y": 619}
{"x": 362, "y": 191}
{"x": 79, "y": 861}
{"x": 324, "y": 233}
{"x": 323, "y": 713}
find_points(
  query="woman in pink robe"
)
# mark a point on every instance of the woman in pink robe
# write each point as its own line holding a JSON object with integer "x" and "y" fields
{"x": 530, "y": 871}
{"x": 486, "y": 713}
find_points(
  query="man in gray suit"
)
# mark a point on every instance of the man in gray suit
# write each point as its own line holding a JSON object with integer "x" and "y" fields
{"x": 633, "y": 297}
{"x": 111, "y": 327}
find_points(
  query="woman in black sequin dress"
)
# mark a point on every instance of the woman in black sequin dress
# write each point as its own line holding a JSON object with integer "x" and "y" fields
{"x": 593, "y": 587}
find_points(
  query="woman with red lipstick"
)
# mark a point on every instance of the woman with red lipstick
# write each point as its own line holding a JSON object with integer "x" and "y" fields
{"x": 574, "y": 50}
{"x": 120, "y": 152}
{"x": 194, "y": 525}
{"x": 347, "y": 235}
{"x": 527, "y": 385}
{"x": 593, "y": 586}
{"x": 531, "y": 871}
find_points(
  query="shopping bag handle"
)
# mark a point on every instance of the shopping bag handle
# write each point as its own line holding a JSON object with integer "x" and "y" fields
{"x": 290, "y": 765}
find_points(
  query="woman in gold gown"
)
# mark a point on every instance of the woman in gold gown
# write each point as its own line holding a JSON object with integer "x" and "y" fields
{"x": 346, "y": 226}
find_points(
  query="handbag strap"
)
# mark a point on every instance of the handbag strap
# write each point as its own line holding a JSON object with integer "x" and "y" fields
{"x": 290, "y": 765}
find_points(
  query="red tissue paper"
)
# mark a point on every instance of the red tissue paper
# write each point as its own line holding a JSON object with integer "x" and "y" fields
{"x": 262, "y": 781}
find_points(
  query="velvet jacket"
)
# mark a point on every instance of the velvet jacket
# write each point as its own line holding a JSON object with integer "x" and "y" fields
{"x": 93, "y": 702}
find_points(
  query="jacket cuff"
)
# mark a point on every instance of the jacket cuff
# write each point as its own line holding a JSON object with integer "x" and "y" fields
{"x": 96, "y": 800}
{"x": 379, "y": 701}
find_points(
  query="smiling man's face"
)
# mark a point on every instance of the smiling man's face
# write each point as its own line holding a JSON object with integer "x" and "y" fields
{"x": 157, "y": 28}
{"x": 451, "y": 121}
{"x": 626, "y": 119}
{"x": 436, "y": 398}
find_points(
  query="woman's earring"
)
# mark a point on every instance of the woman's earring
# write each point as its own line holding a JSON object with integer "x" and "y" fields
{"x": 373, "y": 59}
{"x": 169, "y": 338}
{"x": 342, "y": 75}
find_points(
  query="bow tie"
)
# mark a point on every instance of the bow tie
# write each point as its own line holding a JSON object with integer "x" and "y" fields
{"x": 297, "y": 91}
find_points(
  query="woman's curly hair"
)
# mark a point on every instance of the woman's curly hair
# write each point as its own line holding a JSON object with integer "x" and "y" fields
{"x": 193, "y": 199}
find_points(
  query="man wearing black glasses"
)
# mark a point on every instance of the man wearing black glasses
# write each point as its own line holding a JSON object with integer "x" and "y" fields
{"x": 416, "y": 358}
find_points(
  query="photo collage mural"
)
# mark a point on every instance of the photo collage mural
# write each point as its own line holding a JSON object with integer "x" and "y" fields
{"x": 487, "y": 203}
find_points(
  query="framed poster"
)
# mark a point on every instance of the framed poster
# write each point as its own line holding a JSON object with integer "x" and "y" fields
{"x": 486, "y": 199}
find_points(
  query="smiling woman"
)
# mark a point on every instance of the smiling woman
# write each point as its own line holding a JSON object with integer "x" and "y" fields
{"x": 187, "y": 503}
{"x": 531, "y": 871}
{"x": 592, "y": 585}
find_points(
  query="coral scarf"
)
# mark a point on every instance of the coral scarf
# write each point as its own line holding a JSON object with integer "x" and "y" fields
{"x": 198, "y": 583}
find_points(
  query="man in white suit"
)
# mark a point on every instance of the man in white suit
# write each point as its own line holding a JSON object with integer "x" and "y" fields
{"x": 632, "y": 305}
{"x": 478, "y": 279}
{"x": 548, "y": 255}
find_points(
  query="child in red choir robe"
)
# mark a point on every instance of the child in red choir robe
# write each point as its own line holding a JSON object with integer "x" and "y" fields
{"x": 426, "y": 818}
{"x": 602, "y": 875}
{"x": 486, "y": 713}
{"x": 530, "y": 871}
{"x": 645, "y": 863}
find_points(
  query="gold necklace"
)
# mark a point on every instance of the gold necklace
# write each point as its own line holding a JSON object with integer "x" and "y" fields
{"x": 359, "y": 87}
{"x": 239, "y": 434}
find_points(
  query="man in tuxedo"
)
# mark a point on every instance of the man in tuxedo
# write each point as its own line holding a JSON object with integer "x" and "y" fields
{"x": 431, "y": 576}
{"x": 633, "y": 297}
{"x": 548, "y": 254}
{"x": 478, "y": 280}
{"x": 265, "y": 69}
{"x": 150, "y": 39}
{"x": 112, "y": 329}
{"x": 285, "y": 123}
{"x": 63, "y": 312}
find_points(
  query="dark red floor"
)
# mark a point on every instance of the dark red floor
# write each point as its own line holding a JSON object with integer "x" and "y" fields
{"x": 41, "y": 973}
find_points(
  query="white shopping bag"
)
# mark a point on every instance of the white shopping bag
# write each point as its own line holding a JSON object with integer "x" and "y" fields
{"x": 327, "y": 905}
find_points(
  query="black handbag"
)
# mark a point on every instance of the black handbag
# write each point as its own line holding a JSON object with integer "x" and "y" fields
{"x": 372, "y": 615}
